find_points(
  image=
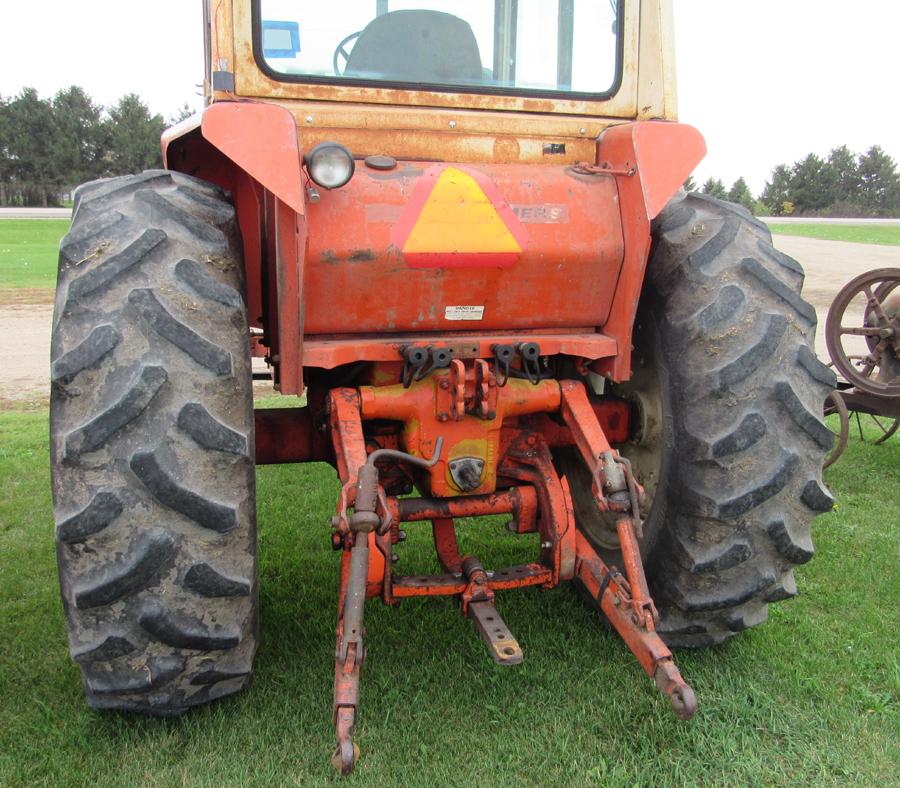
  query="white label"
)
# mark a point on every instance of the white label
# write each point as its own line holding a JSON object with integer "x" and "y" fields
{"x": 463, "y": 312}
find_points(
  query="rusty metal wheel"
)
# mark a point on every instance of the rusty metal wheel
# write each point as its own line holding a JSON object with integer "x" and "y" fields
{"x": 835, "y": 405}
{"x": 862, "y": 332}
{"x": 886, "y": 426}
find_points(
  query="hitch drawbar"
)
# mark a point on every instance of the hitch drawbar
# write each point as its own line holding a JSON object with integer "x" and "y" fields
{"x": 366, "y": 525}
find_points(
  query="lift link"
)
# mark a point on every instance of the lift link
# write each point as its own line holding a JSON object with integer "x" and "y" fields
{"x": 627, "y": 604}
{"x": 613, "y": 595}
{"x": 371, "y": 514}
{"x": 351, "y": 649}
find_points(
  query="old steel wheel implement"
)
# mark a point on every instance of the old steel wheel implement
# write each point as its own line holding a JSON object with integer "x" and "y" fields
{"x": 862, "y": 332}
{"x": 442, "y": 413}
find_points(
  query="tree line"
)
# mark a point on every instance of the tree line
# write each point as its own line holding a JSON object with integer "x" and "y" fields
{"x": 49, "y": 146}
{"x": 843, "y": 184}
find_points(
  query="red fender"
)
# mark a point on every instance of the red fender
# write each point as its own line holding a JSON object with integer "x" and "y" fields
{"x": 662, "y": 155}
{"x": 261, "y": 139}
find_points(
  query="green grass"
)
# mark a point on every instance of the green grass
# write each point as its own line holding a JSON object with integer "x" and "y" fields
{"x": 811, "y": 697}
{"x": 858, "y": 233}
{"x": 28, "y": 252}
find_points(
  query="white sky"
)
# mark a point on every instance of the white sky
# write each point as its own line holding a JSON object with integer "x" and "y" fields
{"x": 766, "y": 81}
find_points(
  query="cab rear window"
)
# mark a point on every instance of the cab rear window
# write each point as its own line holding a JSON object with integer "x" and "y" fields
{"x": 524, "y": 47}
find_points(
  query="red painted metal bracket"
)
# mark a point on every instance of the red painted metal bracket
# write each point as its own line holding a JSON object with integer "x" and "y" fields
{"x": 658, "y": 154}
{"x": 649, "y": 160}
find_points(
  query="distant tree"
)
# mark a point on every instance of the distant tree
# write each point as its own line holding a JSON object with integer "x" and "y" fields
{"x": 879, "y": 188}
{"x": 777, "y": 191}
{"x": 741, "y": 194}
{"x": 812, "y": 184}
{"x": 5, "y": 162}
{"x": 689, "y": 185}
{"x": 133, "y": 137}
{"x": 182, "y": 113}
{"x": 78, "y": 139}
{"x": 715, "y": 188}
{"x": 30, "y": 149}
{"x": 844, "y": 174}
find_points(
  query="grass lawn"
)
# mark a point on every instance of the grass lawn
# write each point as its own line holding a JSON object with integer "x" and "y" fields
{"x": 858, "y": 233}
{"x": 29, "y": 250}
{"x": 811, "y": 697}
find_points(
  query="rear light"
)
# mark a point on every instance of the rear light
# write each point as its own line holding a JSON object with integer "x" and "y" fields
{"x": 330, "y": 165}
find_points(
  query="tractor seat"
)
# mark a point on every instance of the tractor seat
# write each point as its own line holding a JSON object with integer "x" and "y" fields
{"x": 417, "y": 46}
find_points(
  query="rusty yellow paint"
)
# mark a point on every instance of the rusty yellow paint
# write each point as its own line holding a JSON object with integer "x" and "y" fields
{"x": 448, "y": 126}
{"x": 459, "y": 217}
{"x": 656, "y": 86}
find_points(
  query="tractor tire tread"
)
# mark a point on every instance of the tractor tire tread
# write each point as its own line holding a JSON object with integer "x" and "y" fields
{"x": 747, "y": 431}
{"x": 152, "y": 445}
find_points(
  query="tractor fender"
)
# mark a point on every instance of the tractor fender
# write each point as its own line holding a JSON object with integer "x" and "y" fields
{"x": 659, "y": 153}
{"x": 261, "y": 140}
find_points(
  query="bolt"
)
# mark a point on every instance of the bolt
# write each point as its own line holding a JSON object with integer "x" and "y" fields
{"x": 617, "y": 601}
{"x": 401, "y": 536}
{"x": 546, "y": 545}
{"x": 452, "y": 124}
{"x": 309, "y": 118}
{"x": 442, "y": 417}
{"x": 531, "y": 440}
{"x": 582, "y": 131}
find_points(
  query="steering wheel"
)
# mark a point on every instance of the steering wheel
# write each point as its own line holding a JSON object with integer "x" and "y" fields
{"x": 341, "y": 52}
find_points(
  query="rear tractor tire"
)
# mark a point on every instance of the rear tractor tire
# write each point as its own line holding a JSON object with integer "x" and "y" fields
{"x": 152, "y": 446}
{"x": 729, "y": 397}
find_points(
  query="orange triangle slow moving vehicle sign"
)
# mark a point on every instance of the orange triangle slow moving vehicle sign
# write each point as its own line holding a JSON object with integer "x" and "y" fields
{"x": 456, "y": 218}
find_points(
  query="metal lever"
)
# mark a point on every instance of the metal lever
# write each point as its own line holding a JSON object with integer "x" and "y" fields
{"x": 402, "y": 456}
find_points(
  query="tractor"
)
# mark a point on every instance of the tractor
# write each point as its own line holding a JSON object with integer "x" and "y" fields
{"x": 457, "y": 229}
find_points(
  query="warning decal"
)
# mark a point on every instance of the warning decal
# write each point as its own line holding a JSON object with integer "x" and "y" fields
{"x": 457, "y": 219}
{"x": 465, "y": 312}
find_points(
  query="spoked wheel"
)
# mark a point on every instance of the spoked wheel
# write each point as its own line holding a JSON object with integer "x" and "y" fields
{"x": 884, "y": 427}
{"x": 862, "y": 332}
{"x": 835, "y": 405}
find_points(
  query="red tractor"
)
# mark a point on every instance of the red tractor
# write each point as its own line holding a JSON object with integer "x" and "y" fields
{"x": 458, "y": 230}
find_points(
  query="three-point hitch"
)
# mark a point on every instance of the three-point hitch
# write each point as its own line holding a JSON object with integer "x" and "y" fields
{"x": 477, "y": 441}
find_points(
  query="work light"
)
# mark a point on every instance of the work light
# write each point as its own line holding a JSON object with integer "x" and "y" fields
{"x": 330, "y": 165}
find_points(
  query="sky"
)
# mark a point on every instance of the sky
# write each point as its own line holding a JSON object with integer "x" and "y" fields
{"x": 766, "y": 81}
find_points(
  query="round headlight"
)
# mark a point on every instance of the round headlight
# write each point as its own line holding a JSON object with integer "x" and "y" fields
{"x": 330, "y": 165}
